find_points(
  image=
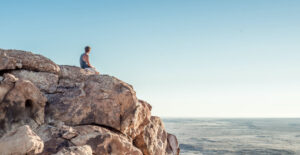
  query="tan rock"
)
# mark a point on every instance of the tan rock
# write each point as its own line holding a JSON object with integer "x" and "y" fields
{"x": 6, "y": 84}
{"x": 71, "y": 76}
{"x": 76, "y": 150}
{"x": 153, "y": 140}
{"x": 21, "y": 103}
{"x": 104, "y": 141}
{"x": 16, "y": 59}
{"x": 22, "y": 141}
{"x": 96, "y": 99}
{"x": 7, "y": 62}
{"x": 75, "y": 74}
{"x": 46, "y": 82}
{"x": 141, "y": 119}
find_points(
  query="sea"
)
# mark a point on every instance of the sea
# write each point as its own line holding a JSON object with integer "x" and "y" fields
{"x": 245, "y": 136}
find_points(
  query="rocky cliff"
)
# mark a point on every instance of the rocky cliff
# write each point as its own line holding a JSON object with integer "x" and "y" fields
{"x": 47, "y": 108}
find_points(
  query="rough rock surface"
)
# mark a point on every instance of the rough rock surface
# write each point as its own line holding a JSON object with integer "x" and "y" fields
{"x": 96, "y": 99}
{"x": 173, "y": 146}
{"x": 21, "y": 141}
{"x": 153, "y": 140}
{"x": 21, "y": 103}
{"x": 74, "y": 111}
{"x": 104, "y": 141}
{"x": 56, "y": 137}
{"x": 76, "y": 150}
{"x": 16, "y": 59}
{"x": 46, "y": 82}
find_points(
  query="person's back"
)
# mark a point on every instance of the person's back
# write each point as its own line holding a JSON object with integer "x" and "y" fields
{"x": 85, "y": 62}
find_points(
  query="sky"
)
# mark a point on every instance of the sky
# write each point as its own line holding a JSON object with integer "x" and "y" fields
{"x": 187, "y": 58}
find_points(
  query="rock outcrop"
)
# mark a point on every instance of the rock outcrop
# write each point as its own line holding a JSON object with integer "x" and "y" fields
{"x": 73, "y": 111}
{"x": 172, "y": 145}
{"x": 82, "y": 99}
{"x": 104, "y": 141}
{"x": 157, "y": 142}
{"x": 16, "y": 59}
{"x": 21, "y": 103}
{"x": 21, "y": 141}
{"x": 46, "y": 82}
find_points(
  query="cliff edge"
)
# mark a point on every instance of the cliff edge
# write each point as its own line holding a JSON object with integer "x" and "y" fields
{"x": 47, "y": 108}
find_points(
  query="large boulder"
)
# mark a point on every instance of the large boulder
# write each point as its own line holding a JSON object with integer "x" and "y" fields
{"x": 46, "y": 82}
{"x": 60, "y": 138}
{"x": 141, "y": 119}
{"x": 86, "y": 99}
{"x": 173, "y": 146}
{"x": 104, "y": 141}
{"x": 74, "y": 74}
{"x": 56, "y": 136}
{"x": 21, "y": 102}
{"x": 21, "y": 141}
{"x": 153, "y": 140}
{"x": 16, "y": 59}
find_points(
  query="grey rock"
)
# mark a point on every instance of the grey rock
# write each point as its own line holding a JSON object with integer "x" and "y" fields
{"x": 173, "y": 146}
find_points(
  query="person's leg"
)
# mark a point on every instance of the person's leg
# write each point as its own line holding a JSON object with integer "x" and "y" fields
{"x": 93, "y": 70}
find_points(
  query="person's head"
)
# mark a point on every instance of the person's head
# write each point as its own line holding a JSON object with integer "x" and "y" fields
{"x": 87, "y": 49}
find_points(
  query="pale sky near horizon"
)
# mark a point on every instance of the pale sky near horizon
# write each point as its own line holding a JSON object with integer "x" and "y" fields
{"x": 187, "y": 58}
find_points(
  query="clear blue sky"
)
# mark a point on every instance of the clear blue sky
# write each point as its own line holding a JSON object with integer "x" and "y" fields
{"x": 187, "y": 58}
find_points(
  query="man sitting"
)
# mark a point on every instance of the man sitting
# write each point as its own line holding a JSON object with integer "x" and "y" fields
{"x": 85, "y": 62}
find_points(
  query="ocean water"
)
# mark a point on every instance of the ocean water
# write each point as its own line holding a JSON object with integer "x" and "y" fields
{"x": 236, "y": 136}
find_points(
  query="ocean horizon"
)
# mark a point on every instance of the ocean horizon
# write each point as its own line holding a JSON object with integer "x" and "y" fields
{"x": 237, "y": 136}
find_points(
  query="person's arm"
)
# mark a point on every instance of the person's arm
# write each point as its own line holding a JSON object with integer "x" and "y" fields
{"x": 86, "y": 59}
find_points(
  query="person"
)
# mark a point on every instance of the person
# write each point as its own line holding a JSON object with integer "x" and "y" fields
{"x": 85, "y": 62}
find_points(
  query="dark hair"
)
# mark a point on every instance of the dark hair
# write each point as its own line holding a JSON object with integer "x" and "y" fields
{"x": 87, "y": 48}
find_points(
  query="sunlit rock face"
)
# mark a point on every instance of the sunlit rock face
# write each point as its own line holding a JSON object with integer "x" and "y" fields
{"x": 153, "y": 139}
{"x": 16, "y": 59}
{"x": 96, "y": 99}
{"x": 20, "y": 141}
{"x": 74, "y": 111}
